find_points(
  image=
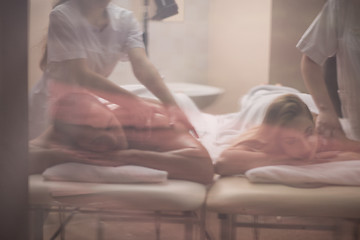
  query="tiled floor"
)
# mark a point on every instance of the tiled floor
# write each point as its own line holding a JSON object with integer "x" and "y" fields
{"x": 85, "y": 226}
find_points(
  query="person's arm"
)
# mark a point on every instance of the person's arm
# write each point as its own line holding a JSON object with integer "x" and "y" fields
{"x": 149, "y": 76}
{"x": 351, "y": 145}
{"x": 183, "y": 157}
{"x": 172, "y": 150}
{"x": 67, "y": 59}
{"x": 235, "y": 160}
{"x": 327, "y": 122}
{"x": 336, "y": 156}
{"x": 188, "y": 164}
{"x": 239, "y": 158}
{"x": 192, "y": 164}
{"x": 76, "y": 72}
{"x": 44, "y": 153}
{"x": 342, "y": 144}
{"x": 42, "y": 157}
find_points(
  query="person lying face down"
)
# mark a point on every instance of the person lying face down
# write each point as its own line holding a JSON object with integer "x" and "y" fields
{"x": 285, "y": 137}
{"x": 88, "y": 131}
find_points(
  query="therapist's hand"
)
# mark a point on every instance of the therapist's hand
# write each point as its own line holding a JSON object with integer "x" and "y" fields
{"x": 328, "y": 125}
{"x": 140, "y": 112}
{"x": 177, "y": 115}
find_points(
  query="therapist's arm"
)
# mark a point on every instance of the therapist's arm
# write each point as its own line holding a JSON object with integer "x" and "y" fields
{"x": 149, "y": 76}
{"x": 76, "y": 72}
{"x": 327, "y": 122}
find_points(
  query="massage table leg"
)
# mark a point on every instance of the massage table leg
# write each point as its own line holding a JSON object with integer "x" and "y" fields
{"x": 62, "y": 219}
{"x": 158, "y": 225}
{"x": 37, "y": 217}
{"x": 346, "y": 229}
{"x": 227, "y": 229}
{"x": 256, "y": 229}
{"x": 202, "y": 224}
{"x": 188, "y": 226}
{"x": 338, "y": 230}
{"x": 100, "y": 229}
{"x": 341, "y": 230}
{"x": 355, "y": 230}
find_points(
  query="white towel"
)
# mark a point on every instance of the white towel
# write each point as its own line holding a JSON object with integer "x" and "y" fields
{"x": 77, "y": 172}
{"x": 335, "y": 173}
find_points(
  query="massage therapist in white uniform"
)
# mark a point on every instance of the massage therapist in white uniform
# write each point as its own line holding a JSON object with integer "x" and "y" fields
{"x": 86, "y": 39}
{"x": 334, "y": 32}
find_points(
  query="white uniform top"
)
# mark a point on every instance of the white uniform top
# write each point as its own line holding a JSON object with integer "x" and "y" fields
{"x": 336, "y": 31}
{"x": 71, "y": 36}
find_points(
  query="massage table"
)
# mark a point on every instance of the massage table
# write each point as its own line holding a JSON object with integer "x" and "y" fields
{"x": 174, "y": 201}
{"x": 232, "y": 196}
{"x": 229, "y": 196}
{"x": 184, "y": 202}
{"x": 171, "y": 201}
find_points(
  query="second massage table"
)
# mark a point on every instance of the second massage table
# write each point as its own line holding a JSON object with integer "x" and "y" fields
{"x": 235, "y": 195}
{"x": 173, "y": 201}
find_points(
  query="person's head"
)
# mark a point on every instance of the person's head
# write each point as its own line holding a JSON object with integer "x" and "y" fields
{"x": 87, "y": 123}
{"x": 290, "y": 126}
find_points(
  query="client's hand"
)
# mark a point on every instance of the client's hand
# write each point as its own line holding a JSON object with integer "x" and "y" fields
{"x": 335, "y": 156}
{"x": 109, "y": 159}
{"x": 316, "y": 158}
{"x": 326, "y": 155}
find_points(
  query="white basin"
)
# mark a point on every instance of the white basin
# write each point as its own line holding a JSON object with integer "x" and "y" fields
{"x": 202, "y": 95}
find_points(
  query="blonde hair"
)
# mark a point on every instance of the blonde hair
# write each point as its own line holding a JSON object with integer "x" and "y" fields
{"x": 279, "y": 114}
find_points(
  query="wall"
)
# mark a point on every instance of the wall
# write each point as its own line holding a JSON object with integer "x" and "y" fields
{"x": 179, "y": 49}
{"x": 225, "y": 44}
{"x": 13, "y": 120}
{"x": 38, "y": 23}
{"x": 290, "y": 19}
{"x": 239, "y": 37}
